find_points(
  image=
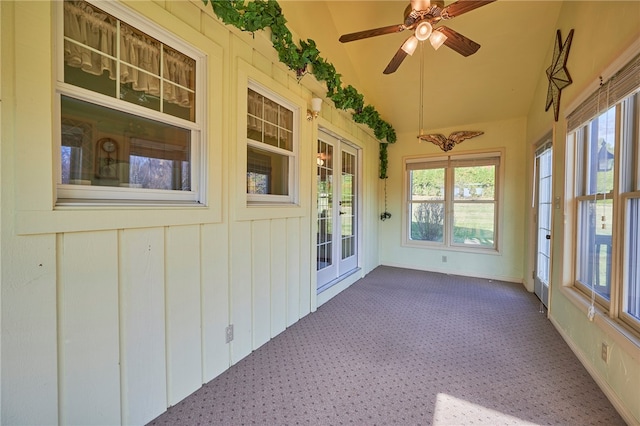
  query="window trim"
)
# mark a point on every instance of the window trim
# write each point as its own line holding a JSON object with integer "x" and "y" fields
{"x": 449, "y": 162}
{"x": 306, "y": 157}
{"x": 81, "y": 195}
{"x": 292, "y": 156}
{"x": 35, "y": 174}
{"x": 625, "y": 199}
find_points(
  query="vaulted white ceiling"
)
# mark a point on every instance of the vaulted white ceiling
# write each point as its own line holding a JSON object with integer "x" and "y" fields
{"x": 497, "y": 82}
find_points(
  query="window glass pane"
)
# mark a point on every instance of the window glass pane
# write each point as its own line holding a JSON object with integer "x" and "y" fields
{"x": 271, "y": 111}
{"x": 473, "y": 224}
{"x": 601, "y": 153}
{"x": 427, "y": 221}
{"x": 631, "y": 298}
{"x": 270, "y": 148}
{"x": 146, "y": 73}
{"x": 286, "y": 128}
{"x": 122, "y": 149}
{"x": 324, "y": 182}
{"x": 594, "y": 224}
{"x": 140, "y": 56}
{"x": 179, "y": 69}
{"x": 427, "y": 184}
{"x": 267, "y": 172}
{"x": 76, "y": 151}
{"x": 89, "y": 47}
{"x": 269, "y": 122}
{"x": 474, "y": 183}
{"x": 270, "y": 134}
{"x": 254, "y": 107}
{"x": 286, "y": 140}
{"x": 140, "y": 97}
{"x": 96, "y": 83}
{"x": 347, "y": 205}
{"x": 178, "y": 102}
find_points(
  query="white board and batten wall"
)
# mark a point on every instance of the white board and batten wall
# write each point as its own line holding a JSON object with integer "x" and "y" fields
{"x": 110, "y": 316}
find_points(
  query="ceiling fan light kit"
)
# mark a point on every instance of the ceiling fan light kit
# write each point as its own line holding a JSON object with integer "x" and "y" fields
{"x": 437, "y": 39}
{"x": 423, "y": 30}
{"x": 410, "y": 44}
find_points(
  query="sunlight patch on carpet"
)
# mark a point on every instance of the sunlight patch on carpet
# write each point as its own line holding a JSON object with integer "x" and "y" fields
{"x": 450, "y": 410}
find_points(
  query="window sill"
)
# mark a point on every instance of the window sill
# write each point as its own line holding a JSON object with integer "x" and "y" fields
{"x": 621, "y": 335}
{"x": 100, "y": 218}
{"x": 259, "y": 211}
{"x": 441, "y": 247}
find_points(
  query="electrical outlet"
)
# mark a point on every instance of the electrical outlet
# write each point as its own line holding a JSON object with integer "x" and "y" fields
{"x": 229, "y": 333}
{"x": 605, "y": 353}
{"x": 444, "y": 259}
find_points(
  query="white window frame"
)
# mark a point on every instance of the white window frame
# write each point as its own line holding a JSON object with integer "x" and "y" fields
{"x": 293, "y": 155}
{"x": 81, "y": 195}
{"x": 449, "y": 162}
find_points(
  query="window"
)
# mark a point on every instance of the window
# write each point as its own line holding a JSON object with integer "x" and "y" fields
{"x": 131, "y": 124}
{"x": 604, "y": 133}
{"x": 452, "y": 201}
{"x": 271, "y": 147}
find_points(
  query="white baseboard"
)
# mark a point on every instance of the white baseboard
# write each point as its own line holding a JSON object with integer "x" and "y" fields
{"x": 595, "y": 374}
{"x": 339, "y": 286}
{"x": 517, "y": 280}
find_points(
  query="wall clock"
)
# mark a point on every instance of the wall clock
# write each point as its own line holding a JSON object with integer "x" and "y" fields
{"x": 107, "y": 159}
{"x": 557, "y": 73}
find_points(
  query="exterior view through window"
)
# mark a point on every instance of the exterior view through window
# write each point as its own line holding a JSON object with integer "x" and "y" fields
{"x": 452, "y": 201}
{"x": 604, "y": 144}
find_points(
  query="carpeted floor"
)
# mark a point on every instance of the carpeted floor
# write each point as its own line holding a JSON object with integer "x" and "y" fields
{"x": 404, "y": 347}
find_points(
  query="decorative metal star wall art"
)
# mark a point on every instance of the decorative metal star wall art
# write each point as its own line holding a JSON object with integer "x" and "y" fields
{"x": 447, "y": 143}
{"x": 557, "y": 73}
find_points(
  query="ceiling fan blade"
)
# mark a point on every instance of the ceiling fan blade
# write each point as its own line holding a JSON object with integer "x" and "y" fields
{"x": 395, "y": 61}
{"x": 458, "y": 42}
{"x": 372, "y": 33}
{"x": 462, "y": 6}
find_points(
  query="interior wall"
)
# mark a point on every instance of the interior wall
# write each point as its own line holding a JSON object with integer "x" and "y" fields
{"x": 591, "y": 53}
{"x": 111, "y": 315}
{"x": 506, "y": 264}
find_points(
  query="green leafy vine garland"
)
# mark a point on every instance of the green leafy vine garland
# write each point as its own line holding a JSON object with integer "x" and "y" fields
{"x": 260, "y": 14}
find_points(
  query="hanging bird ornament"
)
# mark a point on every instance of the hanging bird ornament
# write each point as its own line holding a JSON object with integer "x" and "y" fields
{"x": 447, "y": 143}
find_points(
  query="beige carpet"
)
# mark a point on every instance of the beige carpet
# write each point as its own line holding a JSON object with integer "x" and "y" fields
{"x": 404, "y": 347}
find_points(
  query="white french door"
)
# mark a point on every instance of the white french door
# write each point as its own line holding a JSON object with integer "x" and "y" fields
{"x": 337, "y": 200}
{"x": 543, "y": 204}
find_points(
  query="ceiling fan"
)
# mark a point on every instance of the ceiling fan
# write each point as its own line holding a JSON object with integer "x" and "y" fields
{"x": 420, "y": 16}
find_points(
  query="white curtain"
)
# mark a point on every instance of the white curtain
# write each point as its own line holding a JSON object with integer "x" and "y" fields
{"x": 91, "y": 45}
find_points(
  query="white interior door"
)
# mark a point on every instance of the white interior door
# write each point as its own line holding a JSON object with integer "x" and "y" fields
{"x": 543, "y": 204}
{"x": 337, "y": 204}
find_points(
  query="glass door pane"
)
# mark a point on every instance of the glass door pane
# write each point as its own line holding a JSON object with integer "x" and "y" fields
{"x": 324, "y": 182}
{"x": 348, "y": 210}
{"x": 337, "y": 221}
{"x": 544, "y": 210}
